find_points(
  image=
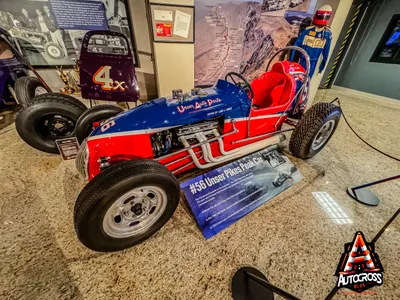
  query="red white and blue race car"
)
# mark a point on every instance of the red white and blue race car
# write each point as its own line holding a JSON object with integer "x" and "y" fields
{"x": 132, "y": 157}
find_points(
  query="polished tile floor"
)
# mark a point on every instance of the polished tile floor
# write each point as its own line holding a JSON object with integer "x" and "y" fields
{"x": 291, "y": 239}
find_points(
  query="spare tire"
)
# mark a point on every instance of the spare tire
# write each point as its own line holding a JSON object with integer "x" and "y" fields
{"x": 61, "y": 97}
{"x": 47, "y": 119}
{"x": 96, "y": 114}
{"x": 28, "y": 87}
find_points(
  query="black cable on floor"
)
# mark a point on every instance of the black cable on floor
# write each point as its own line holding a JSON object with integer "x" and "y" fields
{"x": 364, "y": 141}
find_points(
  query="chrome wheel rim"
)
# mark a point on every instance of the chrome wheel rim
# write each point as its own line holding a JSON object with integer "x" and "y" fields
{"x": 40, "y": 91}
{"x": 323, "y": 135}
{"x": 135, "y": 212}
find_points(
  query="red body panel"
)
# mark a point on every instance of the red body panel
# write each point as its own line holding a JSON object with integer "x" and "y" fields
{"x": 118, "y": 148}
{"x": 127, "y": 147}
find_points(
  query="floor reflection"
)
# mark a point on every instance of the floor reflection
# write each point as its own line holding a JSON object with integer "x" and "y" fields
{"x": 332, "y": 208}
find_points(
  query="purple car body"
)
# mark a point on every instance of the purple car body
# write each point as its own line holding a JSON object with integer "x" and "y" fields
{"x": 10, "y": 68}
{"x": 106, "y": 67}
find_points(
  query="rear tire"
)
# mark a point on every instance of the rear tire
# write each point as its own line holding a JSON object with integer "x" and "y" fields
{"x": 98, "y": 113}
{"x": 100, "y": 223}
{"x": 314, "y": 130}
{"x": 26, "y": 88}
{"x": 46, "y": 119}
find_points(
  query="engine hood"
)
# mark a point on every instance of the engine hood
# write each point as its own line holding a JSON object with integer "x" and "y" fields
{"x": 223, "y": 99}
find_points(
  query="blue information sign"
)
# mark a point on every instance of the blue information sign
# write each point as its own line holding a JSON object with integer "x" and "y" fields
{"x": 79, "y": 14}
{"x": 222, "y": 196}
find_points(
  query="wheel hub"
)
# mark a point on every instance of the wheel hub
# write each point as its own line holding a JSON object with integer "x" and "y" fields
{"x": 323, "y": 135}
{"x": 57, "y": 126}
{"x": 40, "y": 90}
{"x": 137, "y": 209}
{"x": 135, "y": 212}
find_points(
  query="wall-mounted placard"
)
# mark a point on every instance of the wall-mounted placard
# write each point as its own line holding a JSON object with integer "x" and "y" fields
{"x": 172, "y": 23}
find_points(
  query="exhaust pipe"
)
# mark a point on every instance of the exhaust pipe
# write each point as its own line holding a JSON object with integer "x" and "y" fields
{"x": 221, "y": 144}
{"x": 194, "y": 157}
{"x": 240, "y": 152}
{"x": 202, "y": 138}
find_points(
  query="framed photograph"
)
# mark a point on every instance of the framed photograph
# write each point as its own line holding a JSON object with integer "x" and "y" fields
{"x": 50, "y": 37}
{"x": 388, "y": 49}
{"x": 172, "y": 23}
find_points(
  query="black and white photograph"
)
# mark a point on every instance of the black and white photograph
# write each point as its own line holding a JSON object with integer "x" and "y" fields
{"x": 273, "y": 158}
{"x": 273, "y": 5}
{"x": 42, "y": 42}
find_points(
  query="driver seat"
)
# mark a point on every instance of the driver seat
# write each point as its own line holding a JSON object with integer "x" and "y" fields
{"x": 272, "y": 88}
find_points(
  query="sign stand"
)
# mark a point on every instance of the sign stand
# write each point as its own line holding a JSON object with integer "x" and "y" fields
{"x": 250, "y": 284}
{"x": 360, "y": 194}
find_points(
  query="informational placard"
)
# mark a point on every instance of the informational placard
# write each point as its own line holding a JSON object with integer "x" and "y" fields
{"x": 172, "y": 23}
{"x": 222, "y": 196}
{"x": 68, "y": 148}
{"x": 162, "y": 15}
{"x": 182, "y": 24}
{"x": 79, "y": 14}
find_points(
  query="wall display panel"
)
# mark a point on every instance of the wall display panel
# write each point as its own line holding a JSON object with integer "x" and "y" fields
{"x": 241, "y": 35}
{"x": 388, "y": 49}
{"x": 50, "y": 32}
{"x": 172, "y": 23}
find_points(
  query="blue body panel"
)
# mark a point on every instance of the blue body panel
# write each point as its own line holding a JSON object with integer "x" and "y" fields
{"x": 224, "y": 99}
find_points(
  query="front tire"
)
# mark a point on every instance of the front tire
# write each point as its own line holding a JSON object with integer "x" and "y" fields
{"x": 96, "y": 114}
{"x": 125, "y": 205}
{"x": 314, "y": 130}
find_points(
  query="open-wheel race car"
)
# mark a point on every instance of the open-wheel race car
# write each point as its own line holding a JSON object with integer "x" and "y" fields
{"x": 131, "y": 159}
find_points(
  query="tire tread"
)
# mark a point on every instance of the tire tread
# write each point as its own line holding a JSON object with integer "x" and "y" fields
{"x": 305, "y": 130}
{"x": 57, "y": 97}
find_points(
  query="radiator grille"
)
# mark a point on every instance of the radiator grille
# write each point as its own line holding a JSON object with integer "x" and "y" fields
{"x": 82, "y": 159}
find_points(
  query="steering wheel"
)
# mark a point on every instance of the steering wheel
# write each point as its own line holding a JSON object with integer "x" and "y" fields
{"x": 246, "y": 85}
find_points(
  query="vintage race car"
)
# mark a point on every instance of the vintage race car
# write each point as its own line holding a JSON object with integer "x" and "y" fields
{"x": 131, "y": 159}
{"x": 15, "y": 86}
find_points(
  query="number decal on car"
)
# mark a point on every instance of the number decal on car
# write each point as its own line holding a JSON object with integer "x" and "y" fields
{"x": 102, "y": 76}
{"x": 107, "y": 125}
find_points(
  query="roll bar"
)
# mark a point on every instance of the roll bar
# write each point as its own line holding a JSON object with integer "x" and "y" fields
{"x": 301, "y": 50}
{"x": 304, "y": 82}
